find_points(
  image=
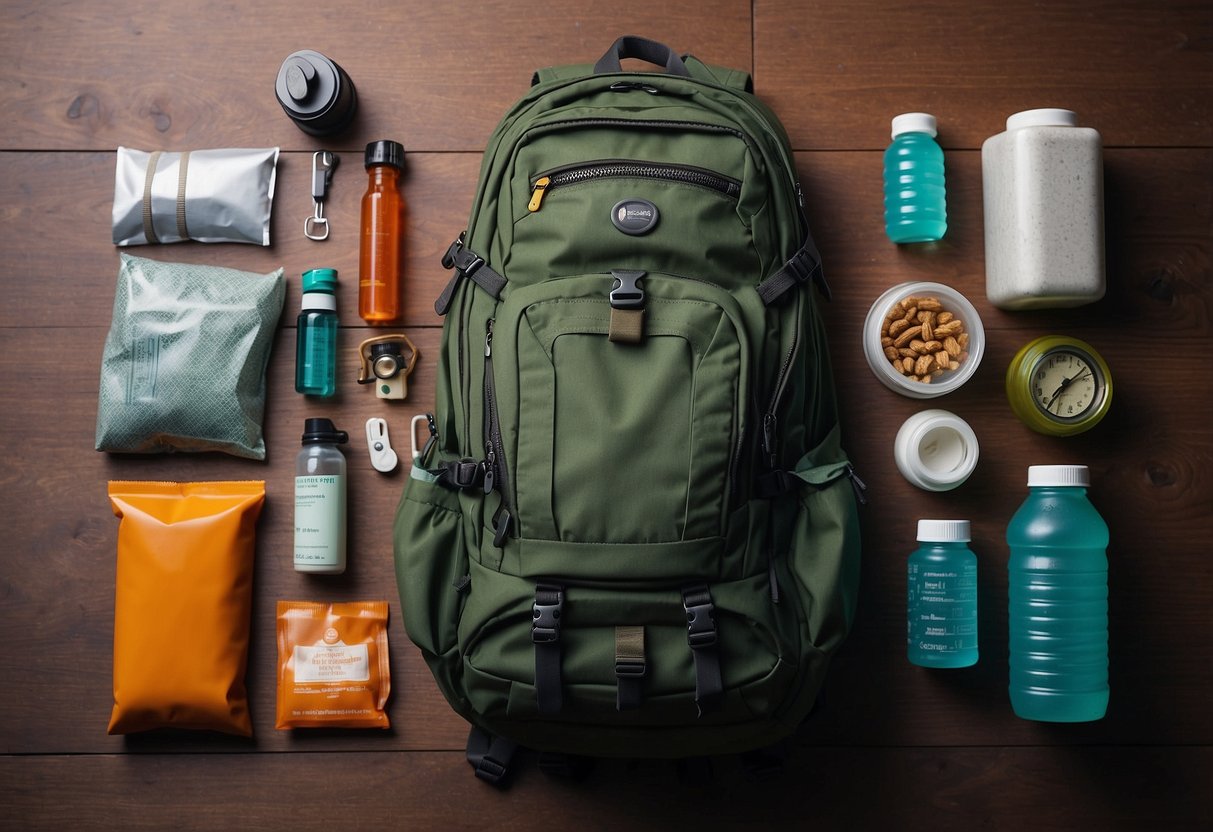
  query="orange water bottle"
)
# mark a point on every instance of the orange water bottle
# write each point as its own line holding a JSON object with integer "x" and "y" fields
{"x": 382, "y": 231}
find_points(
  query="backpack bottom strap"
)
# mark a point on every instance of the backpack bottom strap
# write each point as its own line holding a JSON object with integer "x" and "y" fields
{"x": 701, "y": 635}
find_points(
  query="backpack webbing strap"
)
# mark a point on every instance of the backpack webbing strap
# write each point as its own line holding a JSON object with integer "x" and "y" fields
{"x": 701, "y": 635}
{"x": 803, "y": 267}
{"x": 630, "y": 667}
{"x": 545, "y": 634}
{"x": 490, "y": 756}
{"x": 469, "y": 264}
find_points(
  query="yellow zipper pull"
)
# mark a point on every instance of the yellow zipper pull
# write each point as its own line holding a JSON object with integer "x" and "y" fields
{"x": 537, "y": 195}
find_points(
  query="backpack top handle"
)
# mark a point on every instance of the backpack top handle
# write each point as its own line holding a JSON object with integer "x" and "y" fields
{"x": 633, "y": 46}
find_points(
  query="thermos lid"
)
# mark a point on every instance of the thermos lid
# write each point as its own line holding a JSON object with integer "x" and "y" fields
{"x": 914, "y": 123}
{"x": 944, "y": 531}
{"x": 1045, "y": 117}
{"x": 321, "y": 430}
{"x": 316, "y": 93}
{"x": 1059, "y": 476}
{"x": 385, "y": 152}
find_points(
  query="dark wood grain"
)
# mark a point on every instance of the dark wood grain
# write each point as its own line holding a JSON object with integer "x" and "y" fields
{"x": 840, "y": 69}
{"x": 843, "y": 788}
{"x": 891, "y": 746}
{"x": 435, "y": 76}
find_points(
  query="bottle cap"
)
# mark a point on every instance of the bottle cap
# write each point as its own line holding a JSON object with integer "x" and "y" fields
{"x": 944, "y": 531}
{"x": 315, "y": 92}
{"x": 385, "y": 152}
{"x": 318, "y": 431}
{"x": 320, "y": 280}
{"x": 1046, "y": 117}
{"x": 1059, "y": 476}
{"x": 914, "y": 123}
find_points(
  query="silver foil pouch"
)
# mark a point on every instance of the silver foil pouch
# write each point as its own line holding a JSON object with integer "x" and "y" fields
{"x": 212, "y": 196}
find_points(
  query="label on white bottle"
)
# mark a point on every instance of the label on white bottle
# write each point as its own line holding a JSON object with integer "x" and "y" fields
{"x": 318, "y": 522}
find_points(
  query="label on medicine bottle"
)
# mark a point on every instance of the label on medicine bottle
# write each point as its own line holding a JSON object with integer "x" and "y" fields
{"x": 319, "y": 521}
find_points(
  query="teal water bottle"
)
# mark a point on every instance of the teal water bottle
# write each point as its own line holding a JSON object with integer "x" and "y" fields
{"x": 316, "y": 335}
{"x": 915, "y": 209}
{"x": 1058, "y": 577}
{"x": 941, "y": 585}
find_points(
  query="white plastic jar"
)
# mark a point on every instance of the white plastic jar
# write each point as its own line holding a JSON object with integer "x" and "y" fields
{"x": 1042, "y": 183}
{"x": 936, "y": 450}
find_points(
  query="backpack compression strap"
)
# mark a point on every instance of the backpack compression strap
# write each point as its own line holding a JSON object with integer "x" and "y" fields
{"x": 545, "y": 634}
{"x": 469, "y": 264}
{"x": 701, "y": 635}
{"x": 804, "y": 266}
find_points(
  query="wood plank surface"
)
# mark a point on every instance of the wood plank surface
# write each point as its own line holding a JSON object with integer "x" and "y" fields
{"x": 1106, "y": 788}
{"x": 841, "y": 69}
{"x": 891, "y": 746}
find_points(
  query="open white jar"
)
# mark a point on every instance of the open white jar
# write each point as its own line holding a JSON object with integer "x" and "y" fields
{"x": 936, "y": 450}
{"x": 948, "y": 305}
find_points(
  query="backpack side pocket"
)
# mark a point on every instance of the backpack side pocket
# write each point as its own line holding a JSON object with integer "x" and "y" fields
{"x": 431, "y": 574}
{"x": 825, "y": 546}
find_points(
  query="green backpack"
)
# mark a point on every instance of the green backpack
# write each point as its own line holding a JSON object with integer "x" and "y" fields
{"x": 633, "y": 531}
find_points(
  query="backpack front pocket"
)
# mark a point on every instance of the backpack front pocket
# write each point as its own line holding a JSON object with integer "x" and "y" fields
{"x": 609, "y": 442}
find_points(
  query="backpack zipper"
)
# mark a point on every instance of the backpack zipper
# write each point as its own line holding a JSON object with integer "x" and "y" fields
{"x": 495, "y": 473}
{"x": 622, "y": 168}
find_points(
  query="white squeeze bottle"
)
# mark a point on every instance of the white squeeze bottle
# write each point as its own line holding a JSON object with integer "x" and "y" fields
{"x": 320, "y": 499}
{"x": 1042, "y": 183}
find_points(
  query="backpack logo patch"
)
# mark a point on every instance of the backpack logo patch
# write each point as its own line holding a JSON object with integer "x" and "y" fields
{"x": 635, "y": 216}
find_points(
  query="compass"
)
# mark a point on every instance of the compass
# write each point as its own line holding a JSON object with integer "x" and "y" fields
{"x": 1059, "y": 386}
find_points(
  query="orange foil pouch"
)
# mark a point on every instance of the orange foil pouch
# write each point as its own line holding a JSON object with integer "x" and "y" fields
{"x": 182, "y": 604}
{"x": 332, "y": 665}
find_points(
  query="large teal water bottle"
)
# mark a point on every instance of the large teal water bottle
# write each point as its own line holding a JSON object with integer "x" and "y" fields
{"x": 915, "y": 209}
{"x": 1058, "y": 616}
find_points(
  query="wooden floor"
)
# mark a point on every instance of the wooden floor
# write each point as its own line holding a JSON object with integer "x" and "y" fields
{"x": 893, "y": 746}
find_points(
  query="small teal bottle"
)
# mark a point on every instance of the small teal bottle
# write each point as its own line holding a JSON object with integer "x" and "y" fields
{"x": 915, "y": 209}
{"x": 316, "y": 335}
{"x": 1058, "y": 615}
{"x": 941, "y": 607}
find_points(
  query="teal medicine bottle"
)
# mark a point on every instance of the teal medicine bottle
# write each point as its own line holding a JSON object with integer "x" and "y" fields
{"x": 915, "y": 209}
{"x": 316, "y": 335}
{"x": 941, "y": 605}
{"x": 1058, "y": 615}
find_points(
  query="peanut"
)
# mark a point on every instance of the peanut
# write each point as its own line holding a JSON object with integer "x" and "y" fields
{"x": 921, "y": 340}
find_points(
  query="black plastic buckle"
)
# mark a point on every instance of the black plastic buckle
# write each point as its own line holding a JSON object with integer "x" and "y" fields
{"x": 464, "y": 474}
{"x": 545, "y": 626}
{"x": 468, "y": 262}
{"x": 701, "y": 625}
{"x": 799, "y": 268}
{"x": 490, "y": 770}
{"x": 626, "y": 294}
{"x": 630, "y": 668}
{"x": 448, "y": 259}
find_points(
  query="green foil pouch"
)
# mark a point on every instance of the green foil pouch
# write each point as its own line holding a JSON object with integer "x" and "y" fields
{"x": 184, "y": 362}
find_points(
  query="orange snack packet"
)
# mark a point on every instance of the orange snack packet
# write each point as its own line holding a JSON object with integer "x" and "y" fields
{"x": 332, "y": 665}
{"x": 182, "y": 602}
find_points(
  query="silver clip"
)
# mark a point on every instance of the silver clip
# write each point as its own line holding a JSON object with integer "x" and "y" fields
{"x": 324, "y": 162}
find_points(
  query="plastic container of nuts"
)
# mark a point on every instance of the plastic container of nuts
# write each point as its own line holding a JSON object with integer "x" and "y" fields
{"x": 923, "y": 339}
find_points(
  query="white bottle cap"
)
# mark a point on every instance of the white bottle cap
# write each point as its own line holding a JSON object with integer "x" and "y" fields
{"x": 1059, "y": 475}
{"x": 944, "y": 531}
{"x": 1047, "y": 117}
{"x": 914, "y": 123}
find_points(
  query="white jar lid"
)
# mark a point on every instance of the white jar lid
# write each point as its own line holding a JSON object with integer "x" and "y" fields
{"x": 935, "y": 450}
{"x": 1059, "y": 475}
{"x": 914, "y": 123}
{"x": 944, "y": 531}
{"x": 1047, "y": 117}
